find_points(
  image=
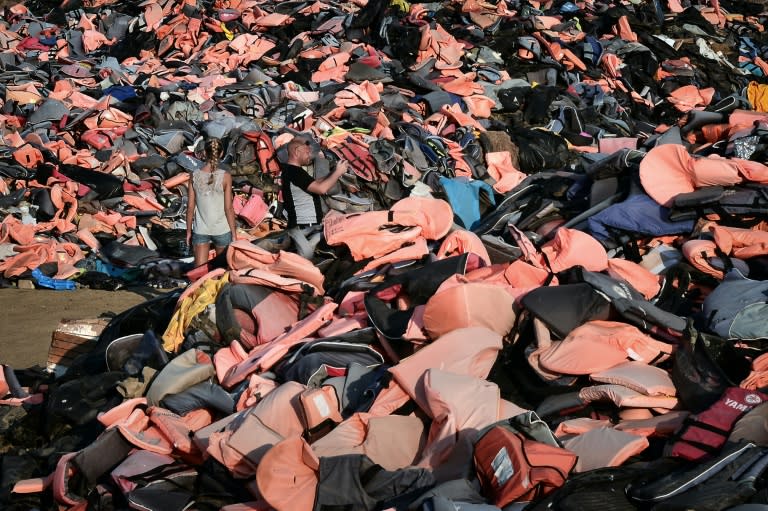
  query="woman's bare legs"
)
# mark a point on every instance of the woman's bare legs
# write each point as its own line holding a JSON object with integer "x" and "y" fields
{"x": 201, "y": 251}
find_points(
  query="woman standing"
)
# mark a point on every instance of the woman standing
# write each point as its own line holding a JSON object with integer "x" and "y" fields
{"x": 210, "y": 215}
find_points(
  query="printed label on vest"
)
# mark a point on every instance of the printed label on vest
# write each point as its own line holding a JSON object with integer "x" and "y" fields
{"x": 502, "y": 467}
{"x": 334, "y": 225}
{"x": 736, "y": 405}
{"x": 322, "y": 407}
{"x": 633, "y": 354}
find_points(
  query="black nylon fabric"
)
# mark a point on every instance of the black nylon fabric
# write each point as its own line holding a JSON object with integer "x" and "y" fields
{"x": 202, "y": 395}
{"x": 102, "y": 456}
{"x": 354, "y": 482}
{"x": 563, "y": 308}
{"x": 704, "y": 366}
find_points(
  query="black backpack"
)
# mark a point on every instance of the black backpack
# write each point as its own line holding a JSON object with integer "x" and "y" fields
{"x": 540, "y": 150}
{"x": 704, "y": 367}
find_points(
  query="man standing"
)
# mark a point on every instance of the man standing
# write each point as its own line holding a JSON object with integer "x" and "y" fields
{"x": 301, "y": 192}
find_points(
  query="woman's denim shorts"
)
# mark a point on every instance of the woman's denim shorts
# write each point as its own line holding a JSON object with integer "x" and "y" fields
{"x": 218, "y": 240}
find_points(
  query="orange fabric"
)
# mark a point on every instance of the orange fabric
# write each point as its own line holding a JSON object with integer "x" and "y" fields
{"x": 176, "y": 180}
{"x": 365, "y": 93}
{"x": 546, "y": 22}
{"x": 604, "y": 447}
{"x": 417, "y": 250}
{"x": 460, "y": 118}
{"x": 688, "y": 97}
{"x": 287, "y": 475}
{"x": 746, "y": 118}
{"x": 456, "y": 356}
{"x": 228, "y": 357}
{"x": 572, "y": 61}
{"x": 437, "y": 214}
{"x": 714, "y": 132}
{"x": 64, "y": 198}
{"x": 611, "y": 63}
{"x": 698, "y": 253}
{"x": 109, "y": 118}
{"x": 661, "y": 425}
{"x": 462, "y": 242}
{"x": 624, "y": 31}
{"x": 33, "y": 485}
{"x": 461, "y": 167}
{"x": 113, "y": 223}
{"x": 27, "y": 93}
{"x": 502, "y": 170}
{"x": 752, "y": 170}
{"x": 640, "y": 278}
{"x": 263, "y": 357}
{"x": 153, "y": 16}
{"x": 333, "y": 68}
{"x": 457, "y": 404}
{"x": 553, "y": 48}
{"x": 11, "y": 229}
{"x": 34, "y": 254}
{"x": 273, "y": 20}
{"x": 741, "y": 243}
{"x": 570, "y": 248}
{"x": 382, "y": 128}
{"x": 669, "y": 170}
{"x": 625, "y": 397}
{"x": 93, "y": 40}
{"x": 439, "y": 43}
{"x": 13, "y": 139}
{"x": 464, "y": 85}
{"x": 638, "y": 376}
{"x": 28, "y": 156}
{"x": 142, "y": 203}
{"x": 523, "y": 275}
{"x": 89, "y": 239}
{"x": 758, "y": 377}
{"x": 243, "y": 255}
{"x": 609, "y": 344}
{"x": 120, "y": 412}
{"x": 462, "y": 305}
{"x": 249, "y": 48}
{"x": 389, "y": 400}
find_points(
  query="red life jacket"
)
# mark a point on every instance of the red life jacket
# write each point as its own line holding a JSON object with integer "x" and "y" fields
{"x": 265, "y": 151}
{"x": 359, "y": 158}
{"x": 704, "y": 434}
{"x": 513, "y": 468}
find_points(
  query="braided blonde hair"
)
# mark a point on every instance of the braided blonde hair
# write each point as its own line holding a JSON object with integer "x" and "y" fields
{"x": 213, "y": 150}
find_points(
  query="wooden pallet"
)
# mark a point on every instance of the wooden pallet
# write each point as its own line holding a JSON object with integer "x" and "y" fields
{"x": 71, "y": 339}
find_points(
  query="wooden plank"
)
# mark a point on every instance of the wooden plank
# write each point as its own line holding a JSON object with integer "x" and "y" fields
{"x": 77, "y": 339}
{"x": 59, "y": 353}
{"x": 73, "y": 338}
{"x": 83, "y": 327}
{"x": 73, "y": 345}
{"x": 60, "y": 350}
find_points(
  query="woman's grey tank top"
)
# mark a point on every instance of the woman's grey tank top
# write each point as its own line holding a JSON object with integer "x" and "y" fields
{"x": 210, "y": 217}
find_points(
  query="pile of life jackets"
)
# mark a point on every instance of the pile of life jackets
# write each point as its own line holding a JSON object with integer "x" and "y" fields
{"x": 541, "y": 284}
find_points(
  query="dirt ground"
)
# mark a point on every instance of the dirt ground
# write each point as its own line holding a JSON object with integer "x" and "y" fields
{"x": 28, "y": 317}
